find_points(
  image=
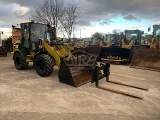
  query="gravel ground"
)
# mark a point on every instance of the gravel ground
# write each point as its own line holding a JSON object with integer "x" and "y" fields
{"x": 26, "y": 96}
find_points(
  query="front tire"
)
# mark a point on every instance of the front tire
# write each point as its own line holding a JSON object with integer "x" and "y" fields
{"x": 19, "y": 63}
{"x": 43, "y": 65}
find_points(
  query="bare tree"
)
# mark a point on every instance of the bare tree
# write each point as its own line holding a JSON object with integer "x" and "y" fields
{"x": 49, "y": 12}
{"x": 57, "y": 14}
{"x": 68, "y": 19}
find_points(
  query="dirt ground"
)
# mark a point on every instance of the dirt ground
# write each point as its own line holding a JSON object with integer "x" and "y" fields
{"x": 26, "y": 96}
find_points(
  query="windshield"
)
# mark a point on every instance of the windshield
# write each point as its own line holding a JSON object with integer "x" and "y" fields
{"x": 38, "y": 31}
{"x": 95, "y": 41}
{"x": 109, "y": 38}
{"x": 158, "y": 31}
{"x": 131, "y": 35}
{"x": 148, "y": 37}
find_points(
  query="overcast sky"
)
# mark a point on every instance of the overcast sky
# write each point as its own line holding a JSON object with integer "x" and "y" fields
{"x": 95, "y": 15}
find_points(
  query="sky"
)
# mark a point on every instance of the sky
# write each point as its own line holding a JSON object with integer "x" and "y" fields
{"x": 94, "y": 15}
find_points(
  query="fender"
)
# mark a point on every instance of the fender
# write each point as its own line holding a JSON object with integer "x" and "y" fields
{"x": 38, "y": 53}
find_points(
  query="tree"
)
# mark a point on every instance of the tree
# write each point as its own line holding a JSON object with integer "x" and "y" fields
{"x": 7, "y": 43}
{"x": 116, "y": 31}
{"x": 97, "y": 35}
{"x": 68, "y": 19}
{"x": 48, "y": 12}
{"x": 57, "y": 14}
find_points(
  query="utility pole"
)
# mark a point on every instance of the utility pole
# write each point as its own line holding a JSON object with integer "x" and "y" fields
{"x": 80, "y": 33}
{"x": 1, "y": 32}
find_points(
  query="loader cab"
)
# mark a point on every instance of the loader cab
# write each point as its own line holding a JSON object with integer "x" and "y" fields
{"x": 133, "y": 35}
{"x": 156, "y": 30}
{"x": 31, "y": 33}
{"x": 95, "y": 41}
{"x": 156, "y": 34}
{"x": 113, "y": 38}
{"x": 147, "y": 39}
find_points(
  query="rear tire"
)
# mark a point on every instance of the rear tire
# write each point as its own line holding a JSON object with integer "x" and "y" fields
{"x": 43, "y": 65}
{"x": 19, "y": 63}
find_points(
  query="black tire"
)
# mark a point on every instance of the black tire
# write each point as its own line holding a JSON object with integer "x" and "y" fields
{"x": 43, "y": 65}
{"x": 19, "y": 63}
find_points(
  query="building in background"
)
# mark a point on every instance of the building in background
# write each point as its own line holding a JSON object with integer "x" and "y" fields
{"x": 16, "y": 34}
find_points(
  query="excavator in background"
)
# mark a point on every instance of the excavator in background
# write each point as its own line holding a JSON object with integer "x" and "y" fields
{"x": 149, "y": 58}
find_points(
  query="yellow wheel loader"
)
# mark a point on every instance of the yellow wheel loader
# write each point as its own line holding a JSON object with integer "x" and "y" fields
{"x": 111, "y": 40}
{"x": 38, "y": 45}
{"x": 34, "y": 47}
{"x": 149, "y": 58}
{"x": 122, "y": 49}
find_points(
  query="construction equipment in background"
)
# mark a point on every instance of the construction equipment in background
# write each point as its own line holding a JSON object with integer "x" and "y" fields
{"x": 111, "y": 40}
{"x": 149, "y": 58}
{"x": 93, "y": 48}
{"x": 122, "y": 53}
{"x": 108, "y": 41}
{"x": 3, "y": 52}
{"x": 146, "y": 39}
{"x": 116, "y": 48}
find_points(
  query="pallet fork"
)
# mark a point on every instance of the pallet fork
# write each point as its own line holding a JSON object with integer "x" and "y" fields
{"x": 102, "y": 70}
{"x": 77, "y": 74}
